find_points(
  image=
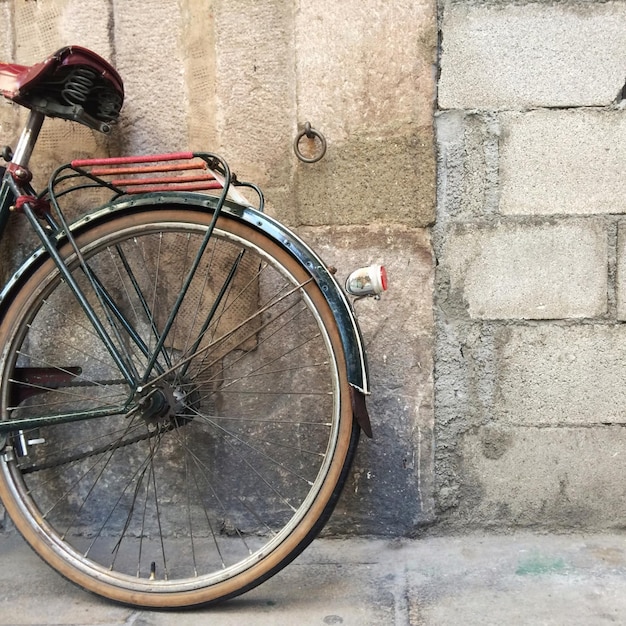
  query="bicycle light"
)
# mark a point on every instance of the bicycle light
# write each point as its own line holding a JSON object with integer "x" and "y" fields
{"x": 367, "y": 281}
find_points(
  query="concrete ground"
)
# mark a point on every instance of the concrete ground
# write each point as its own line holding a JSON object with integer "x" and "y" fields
{"x": 469, "y": 580}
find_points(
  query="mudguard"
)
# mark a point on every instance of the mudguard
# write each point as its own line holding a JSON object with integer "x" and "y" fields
{"x": 349, "y": 331}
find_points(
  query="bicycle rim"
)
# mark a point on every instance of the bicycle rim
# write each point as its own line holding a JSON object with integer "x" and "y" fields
{"x": 222, "y": 456}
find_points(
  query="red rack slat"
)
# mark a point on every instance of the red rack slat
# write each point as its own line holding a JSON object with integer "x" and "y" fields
{"x": 174, "y": 156}
{"x": 147, "y": 169}
{"x": 161, "y": 180}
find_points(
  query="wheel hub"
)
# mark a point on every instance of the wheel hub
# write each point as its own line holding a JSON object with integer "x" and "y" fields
{"x": 161, "y": 404}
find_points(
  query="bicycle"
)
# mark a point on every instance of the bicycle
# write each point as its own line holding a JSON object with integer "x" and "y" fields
{"x": 182, "y": 378}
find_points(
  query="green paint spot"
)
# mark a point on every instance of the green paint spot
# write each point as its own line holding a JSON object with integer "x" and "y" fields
{"x": 536, "y": 565}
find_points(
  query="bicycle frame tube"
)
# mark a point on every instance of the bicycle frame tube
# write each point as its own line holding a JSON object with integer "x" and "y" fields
{"x": 80, "y": 296}
{"x": 6, "y": 199}
{"x": 28, "y": 139}
{"x": 21, "y": 156}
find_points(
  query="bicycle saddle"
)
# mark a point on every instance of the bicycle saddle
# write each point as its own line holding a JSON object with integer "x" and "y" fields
{"x": 74, "y": 83}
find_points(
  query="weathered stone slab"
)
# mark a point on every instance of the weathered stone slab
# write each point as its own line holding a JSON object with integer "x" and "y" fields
{"x": 365, "y": 67}
{"x": 365, "y": 181}
{"x": 390, "y": 489}
{"x": 149, "y": 57}
{"x": 255, "y": 89}
{"x": 365, "y": 80}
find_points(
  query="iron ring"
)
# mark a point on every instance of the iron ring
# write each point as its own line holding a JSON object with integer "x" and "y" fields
{"x": 309, "y": 133}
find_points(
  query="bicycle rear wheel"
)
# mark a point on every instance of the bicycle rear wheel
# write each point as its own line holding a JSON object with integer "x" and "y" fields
{"x": 207, "y": 446}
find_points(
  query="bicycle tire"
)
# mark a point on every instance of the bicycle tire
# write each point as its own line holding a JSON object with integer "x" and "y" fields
{"x": 203, "y": 478}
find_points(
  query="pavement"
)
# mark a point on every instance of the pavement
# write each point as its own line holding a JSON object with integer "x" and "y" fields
{"x": 465, "y": 580}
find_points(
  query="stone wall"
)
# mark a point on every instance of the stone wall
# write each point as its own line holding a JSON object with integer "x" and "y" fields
{"x": 241, "y": 78}
{"x": 530, "y": 289}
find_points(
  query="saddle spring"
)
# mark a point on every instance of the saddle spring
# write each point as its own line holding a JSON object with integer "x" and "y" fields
{"x": 78, "y": 85}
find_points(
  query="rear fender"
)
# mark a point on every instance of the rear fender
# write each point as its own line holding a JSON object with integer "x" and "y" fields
{"x": 349, "y": 331}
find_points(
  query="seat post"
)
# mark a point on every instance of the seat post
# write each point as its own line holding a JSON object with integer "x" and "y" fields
{"x": 28, "y": 139}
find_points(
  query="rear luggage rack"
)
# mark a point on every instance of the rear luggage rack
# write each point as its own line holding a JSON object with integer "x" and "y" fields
{"x": 176, "y": 172}
{"x": 161, "y": 173}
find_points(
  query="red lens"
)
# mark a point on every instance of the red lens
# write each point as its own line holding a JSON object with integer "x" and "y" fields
{"x": 383, "y": 277}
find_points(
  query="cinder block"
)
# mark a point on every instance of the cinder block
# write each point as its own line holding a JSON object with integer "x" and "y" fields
{"x": 468, "y": 155}
{"x": 512, "y": 55}
{"x": 544, "y": 271}
{"x": 390, "y": 490}
{"x": 551, "y": 375}
{"x": 544, "y": 477}
{"x": 621, "y": 272}
{"x": 563, "y": 162}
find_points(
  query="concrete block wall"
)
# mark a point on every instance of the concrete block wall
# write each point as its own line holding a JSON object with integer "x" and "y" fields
{"x": 531, "y": 282}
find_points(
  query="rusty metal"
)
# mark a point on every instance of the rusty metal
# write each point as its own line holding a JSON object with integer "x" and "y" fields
{"x": 359, "y": 410}
{"x": 311, "y": 134}
{"x": 40, "y": 206}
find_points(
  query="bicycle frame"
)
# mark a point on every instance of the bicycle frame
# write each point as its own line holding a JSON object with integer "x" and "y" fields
{"x": 16, "y": 184}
